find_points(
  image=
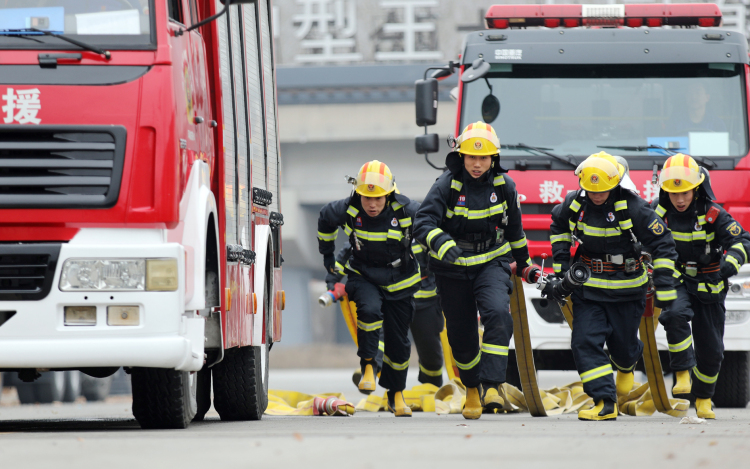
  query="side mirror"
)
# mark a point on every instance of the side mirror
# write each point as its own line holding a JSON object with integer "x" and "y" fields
{"x": 479, "y": 69}
{"x": 490, "y": 108}
{"x": 427, "y": 143}
{"x": 425, "y": 101}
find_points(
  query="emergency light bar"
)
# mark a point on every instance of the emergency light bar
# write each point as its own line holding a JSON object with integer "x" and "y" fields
{"x": 633, "y": 16}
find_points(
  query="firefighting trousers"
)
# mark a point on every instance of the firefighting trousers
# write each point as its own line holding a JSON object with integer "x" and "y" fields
{"x": 375, "y": 312}
{"x": 488, "y": 292}
{"x": 425, "y": 329}
{"x": 596, "y": 323}
{"x": 701, "y": 351}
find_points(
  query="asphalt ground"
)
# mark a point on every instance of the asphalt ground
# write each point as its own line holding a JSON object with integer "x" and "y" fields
{"x": 105, "y": 435}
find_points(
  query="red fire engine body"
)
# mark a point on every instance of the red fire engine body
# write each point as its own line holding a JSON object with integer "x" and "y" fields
{"x": 139, "y": 199}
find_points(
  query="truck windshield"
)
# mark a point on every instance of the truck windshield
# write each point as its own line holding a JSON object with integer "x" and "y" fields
{"x": 114, "y": 24}
{"x": 576, "y": 109}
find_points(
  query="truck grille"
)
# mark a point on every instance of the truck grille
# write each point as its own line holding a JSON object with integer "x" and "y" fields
{"x": 60, "y": 166}
{"x": 27, "y": 270}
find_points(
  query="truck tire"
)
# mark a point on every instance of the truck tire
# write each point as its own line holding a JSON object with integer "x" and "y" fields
{"x": 95, "y": 389}
{"x": 241, "y": 383}
{"x": 164, "y": 398}
{"x": 72, "y": 385}
{"x": 733, "y": 385}
{"x": 203, "y": 394}
{"x": 50, "y": 387}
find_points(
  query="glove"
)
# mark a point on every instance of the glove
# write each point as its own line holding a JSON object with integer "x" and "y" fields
{"x": 330, "y": 286}
{"x": 452, "y": 254}
{"x": 728, "y": 269}
{"x": 551, "y": 291}
{"x": 531, "y": 274}
{"x": 329, "y": 261}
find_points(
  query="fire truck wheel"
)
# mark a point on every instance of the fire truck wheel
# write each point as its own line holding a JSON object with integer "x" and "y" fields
{"x": 733, "y": 385}
{"x": 164, "y": 398}
{"x": 241, "y": 383}
{"x": 203, "y": 393}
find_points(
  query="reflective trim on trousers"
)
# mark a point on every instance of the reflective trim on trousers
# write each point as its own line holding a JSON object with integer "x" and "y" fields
{"x": 369, "y": 327}
{"x": 430, "y": 372}
{"x": 704, "y": 378}
{"x": 684, "y": 345}
{"x": 495, "y": 349}
{"x": 470, "y": 365}
{"x": 395, "y": 366}
{"x": 596, "y": 373}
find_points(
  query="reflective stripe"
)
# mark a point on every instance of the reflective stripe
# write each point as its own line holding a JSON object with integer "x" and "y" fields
{"x": 404, "y": 222}
{"x": 704, "y": 378}
{"x": 499, "y": 180}
{"x": 381, "y": 345}
{"x": 395, "y": 366}
{"x": 426, "y": 293}
{"x": 416, "y": 248}
{"x": 598, "y": 232}
{"x": 480, "y": 259}
{"x": 328, "y": 236}
{"x": 470, "y": 365}
{"x": 684, "y": 345}
{"x": 371, "y": 235}
{"x": 409, "y": 282}
{"x": 478, "y": 214}
{"x": 457, "y": 185}
{"x": 617, "y": 284}
{"x": 701, "y": 219}
{"x": 561, "y": 238}
{"x": 518, "y": 244}
{"x": 369, "y": 327}
{"x": 557, "y": 268}
{"x": 660, "y": 210}
{"x": 626, "y": 224}
{"x": 666, "y": 295}
{"x": 730, "y": 258}
{"x": 571, "y": 225}
{"x": 449, "y": 213}
{"x": 626, "y": 370}
{"x": 349, "y": 266}
{"x": 575, "y": 206}
{"x": 430, "y": 372}
{"x": 432, "y": 234}
{"x": 395, "y": 234}
{"x": 347, "y": 230}
{"x": 663, "y": 264}
{"x": 395, "y": 205}
{"x": 596, "y": 373}
{"x": 445, "y": 247}
{"x": 339, "y": 267}
{"x": 715, "y": 288}
{"x": 740, "y": 248}
{"x": 621, "y": 205}
{"x": 495, "y": 349}
{"x": 352, "y": 211}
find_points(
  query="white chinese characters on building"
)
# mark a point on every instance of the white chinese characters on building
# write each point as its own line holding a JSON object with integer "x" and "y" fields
{"x": 327, "y": 29}
{"x": 410, "y": 32}
{"x": 21, "y": 106}
{"x": 650, "y": 191}
{"x": 551, "y": 192}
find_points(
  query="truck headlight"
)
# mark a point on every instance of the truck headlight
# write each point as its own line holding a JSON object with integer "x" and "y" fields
{"x": 119, "y": 274}
{"x": 736, "y": 317}
{"x": 740, "y": 287}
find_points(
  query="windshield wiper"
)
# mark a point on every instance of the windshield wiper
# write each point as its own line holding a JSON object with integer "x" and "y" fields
{"x": 75, "y": 42}
{"x": 541, "y": 150}
{"x": 702, "y": 160}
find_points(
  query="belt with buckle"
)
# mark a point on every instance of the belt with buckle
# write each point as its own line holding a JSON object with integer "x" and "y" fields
{"x": 611, "y": 263}
{"x": 692, "y": 269}
{"x": 480, "y": 246}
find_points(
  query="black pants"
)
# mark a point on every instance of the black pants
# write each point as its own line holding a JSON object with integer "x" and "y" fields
{"x": 703, "y": 350}
{"x": 596, "y": 323}
{"x": 486, "y": 290}
{"x": 375, "y": 312}
{"x": 425, "y": 328}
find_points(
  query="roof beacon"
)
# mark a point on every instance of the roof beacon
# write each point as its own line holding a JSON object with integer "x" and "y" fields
{"x": 632, "y": 16}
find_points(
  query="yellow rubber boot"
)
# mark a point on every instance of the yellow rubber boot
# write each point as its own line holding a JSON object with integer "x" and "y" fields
{"x": 473, "y": 406}
{"x": 367, "y": 383}
{"x": 624, "y": 384}
{"x": 397, "y": 405}
{"x": 682, "y": 384}
{"x": 357, "y": 376}
{"x": 493, "y": 399}
{"x": 703, "y": 409}
{"x": 603, "y": 410}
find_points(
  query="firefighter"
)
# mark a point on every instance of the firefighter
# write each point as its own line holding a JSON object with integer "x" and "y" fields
{"x": 702, "y": 231}
{"x": 608, "y": 307}
{"x": 425, "y": 327}
{"x": 471, "y": 222}
{"x": 383, "y": 274}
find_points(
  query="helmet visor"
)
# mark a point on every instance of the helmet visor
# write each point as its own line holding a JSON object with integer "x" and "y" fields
{"x": 609, "y": 169}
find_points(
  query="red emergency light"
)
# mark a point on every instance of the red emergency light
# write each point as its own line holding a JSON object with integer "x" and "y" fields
{"x": 633, "y": 16}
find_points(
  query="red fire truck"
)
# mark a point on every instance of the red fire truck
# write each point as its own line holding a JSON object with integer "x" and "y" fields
{"x": 560, "y": 82}
{"x": 139, "y": 199}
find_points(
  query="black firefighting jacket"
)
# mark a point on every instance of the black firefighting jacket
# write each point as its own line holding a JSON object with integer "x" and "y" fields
{"x": 380, "y": 252}
{"x": 611, "y": 237}
{"x": 482, "y": 216}
{"x": 702, "y": 235}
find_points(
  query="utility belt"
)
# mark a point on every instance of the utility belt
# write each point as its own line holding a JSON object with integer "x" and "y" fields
{"x": 379, "y": 264}
{"x": 612, "y": 263}
{"x": 691, "y": 269}
{"x": 479, "y": 242}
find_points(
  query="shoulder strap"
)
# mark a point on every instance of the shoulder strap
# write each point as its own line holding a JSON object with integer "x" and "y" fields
{"x": 575, "y": 208}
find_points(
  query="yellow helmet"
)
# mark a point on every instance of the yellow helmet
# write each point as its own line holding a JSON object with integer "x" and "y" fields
{"x": 600, "y": 172}
{"x": 375, "y": 179}
{"x": 478, "y": 139}
{"x": 680, "y": 174}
